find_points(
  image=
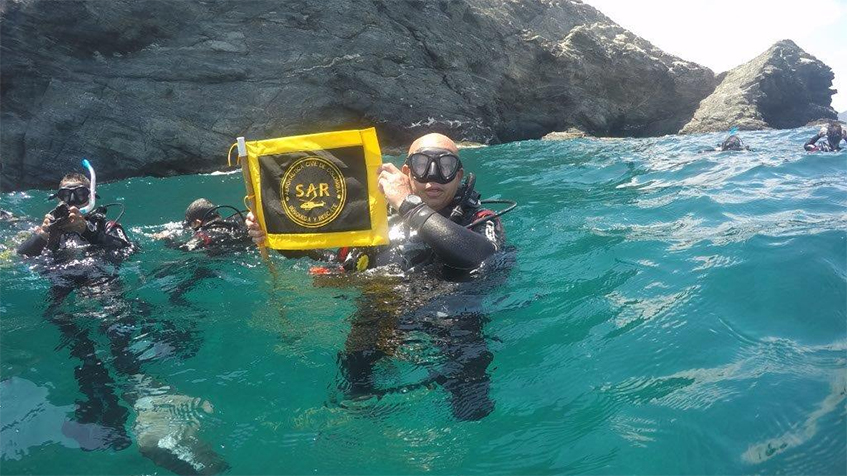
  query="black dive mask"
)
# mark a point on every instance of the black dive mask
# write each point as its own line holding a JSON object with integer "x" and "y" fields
{"x": 73, "y": 196}
{"x": 434, "y": 165}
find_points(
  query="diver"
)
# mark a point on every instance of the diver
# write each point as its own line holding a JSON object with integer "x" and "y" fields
{"x": 79, "y": 251}
{"x": 209, "y": 230}
{"x": 436, "y": 223}
{"x": 74, "y": 222}
{"x": 435, "y": 218}
{"x": 834, "y": 134}
{"x": 733, "y": 143}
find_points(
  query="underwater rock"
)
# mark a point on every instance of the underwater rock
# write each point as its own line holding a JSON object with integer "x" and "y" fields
{"x": 782, "y": 88}
{"x": 161, "y": 87}
{"x": 166, "y": 429}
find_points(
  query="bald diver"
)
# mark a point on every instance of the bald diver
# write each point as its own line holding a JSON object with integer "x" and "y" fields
{"x": 440, "y": 237}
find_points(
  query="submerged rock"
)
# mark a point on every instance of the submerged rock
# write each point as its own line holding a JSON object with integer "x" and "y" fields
{"x": 784, "y": 87}
{"x": 163, "y": 87}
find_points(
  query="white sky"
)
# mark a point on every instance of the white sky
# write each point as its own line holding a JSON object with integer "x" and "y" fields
{"x": 722, "y": 34}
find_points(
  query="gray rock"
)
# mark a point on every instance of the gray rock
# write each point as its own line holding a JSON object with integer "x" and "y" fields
{"x": 572, "y": 133}
{"x": 784, "y": 87}
{"x": 159, "y": 87}
{"x": 842, "y": 116}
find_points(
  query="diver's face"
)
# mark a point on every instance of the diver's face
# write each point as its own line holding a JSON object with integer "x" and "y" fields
{"x": 74, "y": 193}
{"x": 435, "y": 195}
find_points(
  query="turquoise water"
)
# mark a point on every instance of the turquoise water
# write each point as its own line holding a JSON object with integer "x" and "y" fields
{"x": 667, "y": 312}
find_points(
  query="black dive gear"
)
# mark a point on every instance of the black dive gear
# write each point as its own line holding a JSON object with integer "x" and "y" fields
{"x": 221, "y": 222}
{"x": 74, "y": 196}
{"x": 61, "y": 211}
{"x": 434, "y": 165}
{"x": 467, "y": 203}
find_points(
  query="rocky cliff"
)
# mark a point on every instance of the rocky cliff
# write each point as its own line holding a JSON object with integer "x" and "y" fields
{"x": 784, "y": 87}
{"x": 163, "y": 87}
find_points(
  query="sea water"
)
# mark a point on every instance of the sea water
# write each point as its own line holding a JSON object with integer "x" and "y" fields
{"x": 666, "y": 312}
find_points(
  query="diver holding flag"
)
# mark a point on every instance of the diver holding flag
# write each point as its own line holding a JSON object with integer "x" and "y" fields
{"x": 437, "y": 228}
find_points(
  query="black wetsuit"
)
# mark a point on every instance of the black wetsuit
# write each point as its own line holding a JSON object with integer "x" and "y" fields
{"x": 391, "y": 311}
{"x": 824, "y": 146}
{"x": 426, "y": 237}
{"x": 98, "y": 232}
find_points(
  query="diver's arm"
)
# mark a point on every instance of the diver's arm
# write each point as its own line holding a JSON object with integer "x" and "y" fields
{"x": 812, "y": 143}
{"x": 34, "y": 245}
{"x": 456, "y": 245}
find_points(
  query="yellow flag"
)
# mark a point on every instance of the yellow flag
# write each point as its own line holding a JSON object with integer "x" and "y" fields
{"x": 318, "y": 190}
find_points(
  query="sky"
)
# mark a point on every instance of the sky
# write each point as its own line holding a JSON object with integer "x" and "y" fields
{"x": 722, "y": 34}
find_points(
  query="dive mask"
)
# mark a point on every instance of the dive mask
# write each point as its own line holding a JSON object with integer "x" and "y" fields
{"x": 73, "y": 196}
{"x": 434, "y": 165}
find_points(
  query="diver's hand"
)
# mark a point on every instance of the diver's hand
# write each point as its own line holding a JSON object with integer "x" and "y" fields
{"x": 254, "y": 230}
{"x": 44, "y": 229}
{"x": 394, "y": 184}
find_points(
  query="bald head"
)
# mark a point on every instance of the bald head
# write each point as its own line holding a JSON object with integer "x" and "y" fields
{"x": 433, "y": 141}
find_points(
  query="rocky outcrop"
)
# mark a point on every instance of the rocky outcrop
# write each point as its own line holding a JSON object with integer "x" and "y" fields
{"x": 784, "y": 87}
{"x": 163, "y": 87}
{"x": 570, "y": 134}
{"x": 842, "y": 116}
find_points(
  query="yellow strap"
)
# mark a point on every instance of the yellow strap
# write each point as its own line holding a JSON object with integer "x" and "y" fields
{"x": 229, "y": 154}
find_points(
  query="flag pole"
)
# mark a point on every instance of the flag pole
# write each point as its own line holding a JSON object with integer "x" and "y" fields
{"x": 248, "y": 184}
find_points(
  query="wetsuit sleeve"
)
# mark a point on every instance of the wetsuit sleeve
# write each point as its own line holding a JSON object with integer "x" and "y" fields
{"x": 33, "y": 246}
{"x": 456, "y": 245}
{"x": 811, "y": 144}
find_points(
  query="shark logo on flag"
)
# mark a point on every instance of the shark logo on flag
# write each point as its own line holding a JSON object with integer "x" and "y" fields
{"x": 318, "y": 190}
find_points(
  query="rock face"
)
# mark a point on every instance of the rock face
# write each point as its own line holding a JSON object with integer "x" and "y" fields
{"x": 784, "y": 87}
{"x": 842, "y": 116}
{"x": 163, "y": 87}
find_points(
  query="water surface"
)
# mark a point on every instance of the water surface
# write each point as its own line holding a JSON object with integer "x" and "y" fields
{"x": 668, "y": 312}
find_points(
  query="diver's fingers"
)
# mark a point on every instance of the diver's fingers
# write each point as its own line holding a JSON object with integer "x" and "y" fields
{"x": 257, "y": 235}
{"x": 390, "y": 168}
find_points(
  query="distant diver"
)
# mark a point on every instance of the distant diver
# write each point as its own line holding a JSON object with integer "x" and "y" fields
{"x": 80, "y": 252}
{"x": 731, "y": 143}
{"x": 209, "y": 231}
{"x": 437, "y": 228}
{"x": 834, "y": 134}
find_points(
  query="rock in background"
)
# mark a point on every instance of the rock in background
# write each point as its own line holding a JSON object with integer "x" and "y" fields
{"x": 784, "y": 87}
{"x": 163, "y": 87}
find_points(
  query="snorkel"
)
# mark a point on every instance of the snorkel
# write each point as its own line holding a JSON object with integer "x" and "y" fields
{"x": 92, "y": 195}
